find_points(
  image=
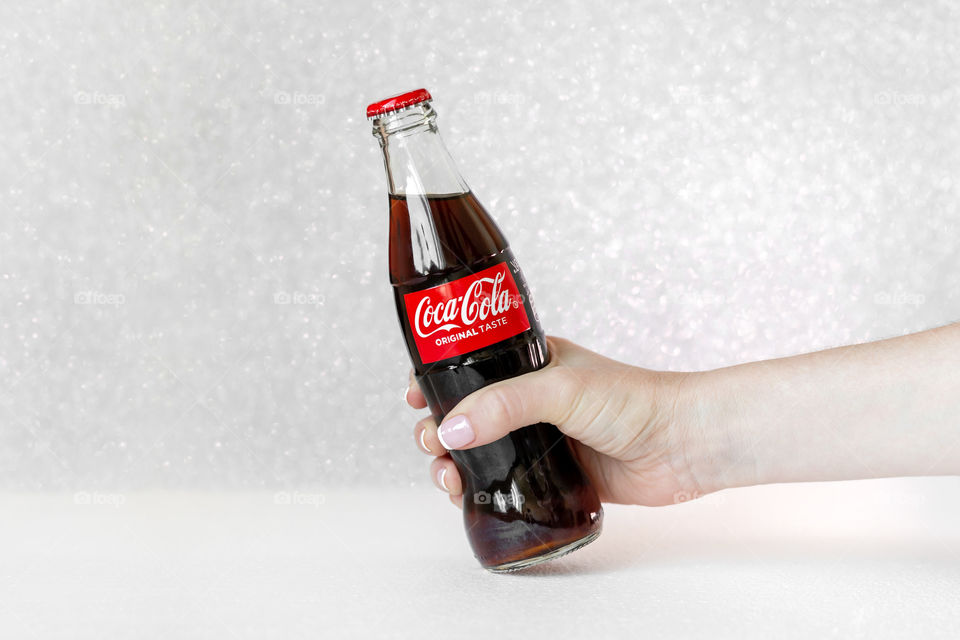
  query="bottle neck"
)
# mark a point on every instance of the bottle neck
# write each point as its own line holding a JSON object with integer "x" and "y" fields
{"x": 414, "y": 156}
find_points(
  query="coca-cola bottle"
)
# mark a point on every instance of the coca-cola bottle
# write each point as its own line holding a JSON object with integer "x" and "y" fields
{"x": 468, "y": 322}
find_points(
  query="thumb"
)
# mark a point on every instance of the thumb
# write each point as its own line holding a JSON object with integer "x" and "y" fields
{"x": 551, "y": 395}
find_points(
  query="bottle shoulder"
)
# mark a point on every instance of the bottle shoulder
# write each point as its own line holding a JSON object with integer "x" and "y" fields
{"x": 435, "y": 235}
{"x": 451, "y": 272}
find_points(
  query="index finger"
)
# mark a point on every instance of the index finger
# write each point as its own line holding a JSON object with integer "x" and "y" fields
{"x": 413, "y": 395}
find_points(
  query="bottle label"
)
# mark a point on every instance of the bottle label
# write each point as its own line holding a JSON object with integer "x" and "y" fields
{"x": 466, "y": 314}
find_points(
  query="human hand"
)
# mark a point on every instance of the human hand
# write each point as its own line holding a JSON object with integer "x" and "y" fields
{"x": 638, "y": 434}
{"x": 879, "y": 409}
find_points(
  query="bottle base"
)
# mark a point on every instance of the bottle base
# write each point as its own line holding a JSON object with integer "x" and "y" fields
{"x": 526, "y": 563}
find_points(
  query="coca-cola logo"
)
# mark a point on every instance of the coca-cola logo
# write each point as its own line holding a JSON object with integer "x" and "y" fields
{"x": 466, "y": 314}
{"x": 484, "y": 298}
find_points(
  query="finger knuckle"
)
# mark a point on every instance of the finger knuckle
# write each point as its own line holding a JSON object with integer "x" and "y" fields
{"x": 567, "y": 394}
{"x": 504, "y": 405}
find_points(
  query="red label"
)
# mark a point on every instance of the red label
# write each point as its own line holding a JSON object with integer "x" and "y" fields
{"x": 466, "y": 314}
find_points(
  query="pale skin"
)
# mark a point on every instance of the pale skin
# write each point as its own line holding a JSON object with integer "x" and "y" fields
{"x": 879, "y": 409}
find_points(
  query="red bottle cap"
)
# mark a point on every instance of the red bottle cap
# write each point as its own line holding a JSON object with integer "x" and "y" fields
{"x": 396, "y": 103}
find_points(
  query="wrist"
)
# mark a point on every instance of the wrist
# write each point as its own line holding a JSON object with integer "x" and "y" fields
{"x": 719, "y": 451}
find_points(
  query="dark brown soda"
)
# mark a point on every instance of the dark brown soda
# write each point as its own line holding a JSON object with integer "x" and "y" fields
{"x": 524, "y": 496}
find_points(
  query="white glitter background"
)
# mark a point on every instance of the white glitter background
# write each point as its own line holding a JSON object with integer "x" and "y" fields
{"x": 193, "y": 217}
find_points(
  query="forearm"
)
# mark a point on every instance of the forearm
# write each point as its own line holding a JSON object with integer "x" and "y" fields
{"x": 888, "y": 408}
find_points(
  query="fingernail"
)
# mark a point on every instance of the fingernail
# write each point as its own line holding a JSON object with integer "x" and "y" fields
{"x": 423, "y": 442}
{"x": 406, "y": 395}
{"x": 441, "y": 478}
{"x": 456, "y": 432}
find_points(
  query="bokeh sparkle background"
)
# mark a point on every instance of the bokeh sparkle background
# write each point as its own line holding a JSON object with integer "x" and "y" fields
{"x": 193, "y": 288}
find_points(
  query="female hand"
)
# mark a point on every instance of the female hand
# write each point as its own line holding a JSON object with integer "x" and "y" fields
{"x": 880, "y": 409}
{"x": 638, "y": 434}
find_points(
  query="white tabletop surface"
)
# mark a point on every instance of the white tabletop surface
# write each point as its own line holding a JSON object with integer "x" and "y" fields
{"x": 861, "y": 559}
